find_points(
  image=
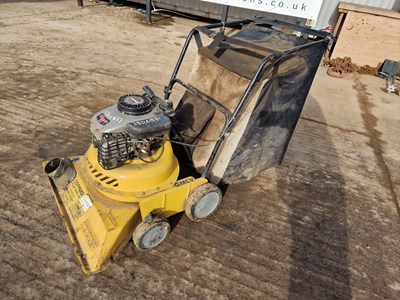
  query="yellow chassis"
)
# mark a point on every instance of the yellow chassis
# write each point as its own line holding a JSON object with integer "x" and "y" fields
{"x": 98, "y": 224}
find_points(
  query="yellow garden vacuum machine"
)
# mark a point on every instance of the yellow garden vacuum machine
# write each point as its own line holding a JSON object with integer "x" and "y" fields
{"x": 149, "y": 161}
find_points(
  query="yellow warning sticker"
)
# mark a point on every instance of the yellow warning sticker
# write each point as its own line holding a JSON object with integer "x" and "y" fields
{"x": 75, "y": 210}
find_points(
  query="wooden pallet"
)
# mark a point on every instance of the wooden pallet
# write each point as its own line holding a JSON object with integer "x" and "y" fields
{"x": 366, "y": 34}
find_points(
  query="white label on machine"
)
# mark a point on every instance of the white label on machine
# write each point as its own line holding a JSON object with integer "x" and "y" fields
{"x": 86, "y": 202}
{"x": 307, "y": 9}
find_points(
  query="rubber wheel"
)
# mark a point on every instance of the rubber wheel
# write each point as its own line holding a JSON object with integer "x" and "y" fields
{"x": 148, "y": 235}
{"x": 203, "y": 202}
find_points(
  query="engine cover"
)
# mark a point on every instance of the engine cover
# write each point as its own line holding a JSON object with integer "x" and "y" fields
{"x": 133, "y": 114}
{"x": 133, "y": 128}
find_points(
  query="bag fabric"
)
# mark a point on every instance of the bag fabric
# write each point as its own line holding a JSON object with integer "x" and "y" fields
{"x": 261, "y": 135}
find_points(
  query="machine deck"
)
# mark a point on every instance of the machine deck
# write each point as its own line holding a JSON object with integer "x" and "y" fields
{"x": 97, "y": 225}
{"x": 100, "y": 226}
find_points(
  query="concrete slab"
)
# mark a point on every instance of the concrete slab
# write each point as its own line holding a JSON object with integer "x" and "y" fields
{"x": 324, "y": 225}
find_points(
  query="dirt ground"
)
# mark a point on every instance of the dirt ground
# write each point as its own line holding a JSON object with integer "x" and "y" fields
{"x": 324, "y": 225}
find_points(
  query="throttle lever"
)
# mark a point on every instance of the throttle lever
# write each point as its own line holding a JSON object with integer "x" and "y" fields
{"x": 149, "y": 92}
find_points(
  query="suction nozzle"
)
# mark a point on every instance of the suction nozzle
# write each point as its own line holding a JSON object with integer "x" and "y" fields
{"x": 61, "y": 171}
{"x": 54, "y": 168}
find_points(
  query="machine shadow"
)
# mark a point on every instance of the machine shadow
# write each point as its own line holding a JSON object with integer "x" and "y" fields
{"x": 310, "y": 183}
